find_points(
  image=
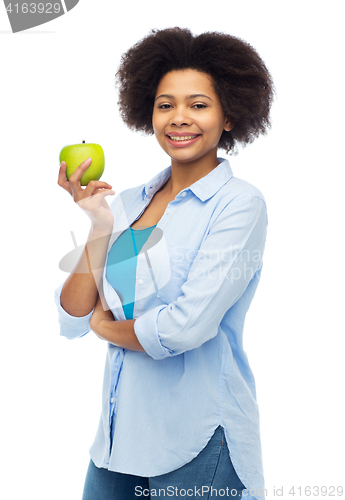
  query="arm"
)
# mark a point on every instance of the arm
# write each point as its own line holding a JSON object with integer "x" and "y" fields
{"x": 227, "y": 261}
{"x": 119, "y": 333}
{"x": 80, "y": 290}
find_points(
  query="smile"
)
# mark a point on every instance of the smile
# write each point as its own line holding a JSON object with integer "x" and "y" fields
{"x": 181, "y": 141}
{"x": 182, "y": 137}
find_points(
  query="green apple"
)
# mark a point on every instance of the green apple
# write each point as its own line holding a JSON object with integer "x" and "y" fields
{"x": 75, "y": 154}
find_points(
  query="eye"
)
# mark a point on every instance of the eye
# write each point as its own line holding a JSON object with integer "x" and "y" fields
{"x": 164, "y": 106}
{"x": 199, "y": 106}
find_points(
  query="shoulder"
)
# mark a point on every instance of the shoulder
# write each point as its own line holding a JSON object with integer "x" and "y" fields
{"x": 236, "y": 190}
{"x": 241, "y": 199}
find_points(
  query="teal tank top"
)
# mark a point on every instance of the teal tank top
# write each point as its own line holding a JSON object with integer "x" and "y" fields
{"x": 124, "y": 252}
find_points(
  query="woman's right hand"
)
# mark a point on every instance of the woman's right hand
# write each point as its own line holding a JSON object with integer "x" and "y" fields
{"x": 91, "y": 199}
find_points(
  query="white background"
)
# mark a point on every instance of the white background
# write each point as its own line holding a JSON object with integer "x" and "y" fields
{"x": 57, "y": 88}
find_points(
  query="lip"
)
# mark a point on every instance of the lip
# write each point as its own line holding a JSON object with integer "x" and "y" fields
{"x": 181, "y": 144}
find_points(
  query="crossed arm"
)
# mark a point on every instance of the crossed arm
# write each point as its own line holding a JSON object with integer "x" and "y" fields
{"x": 119, "y": 333}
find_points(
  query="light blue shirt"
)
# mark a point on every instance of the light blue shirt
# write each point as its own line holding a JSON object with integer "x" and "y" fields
{"x": 195, "y": 279}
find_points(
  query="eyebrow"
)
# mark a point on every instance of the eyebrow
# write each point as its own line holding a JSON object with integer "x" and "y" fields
{"x": 169, "y": 96}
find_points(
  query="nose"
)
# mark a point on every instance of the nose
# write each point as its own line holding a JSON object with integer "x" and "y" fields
{"x": 180, "y": 117}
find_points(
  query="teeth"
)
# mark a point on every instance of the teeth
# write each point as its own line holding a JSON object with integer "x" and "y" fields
{"x": 182, "y": 137}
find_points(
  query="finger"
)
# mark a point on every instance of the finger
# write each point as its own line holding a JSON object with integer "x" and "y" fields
{"x": 62, "y": 179}
{"x": 98, "y": 196}
{"x": 103, "y": 193}
{"x": 62, "y": 173}
{"x": 96, "y": 200}
{"x": 76, "y": 176}
{"x": 93, "y": 186}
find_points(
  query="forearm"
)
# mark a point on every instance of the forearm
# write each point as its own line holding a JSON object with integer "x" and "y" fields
{"x": 119, "y": 333}
{"x": 80, "y": 290}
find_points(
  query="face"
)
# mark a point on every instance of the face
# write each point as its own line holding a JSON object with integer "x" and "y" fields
{"x": 188, "y": 119}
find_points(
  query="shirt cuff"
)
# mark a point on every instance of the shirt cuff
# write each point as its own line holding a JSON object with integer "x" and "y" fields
{"x": 146, "y": 330}
{"x": 71, "y": 327}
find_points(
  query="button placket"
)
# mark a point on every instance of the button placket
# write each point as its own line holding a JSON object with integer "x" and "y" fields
{"x": 117, "y": 361}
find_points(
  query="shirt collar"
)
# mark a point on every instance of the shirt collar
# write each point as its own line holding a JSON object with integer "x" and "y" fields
{"x": 204, "y": 188}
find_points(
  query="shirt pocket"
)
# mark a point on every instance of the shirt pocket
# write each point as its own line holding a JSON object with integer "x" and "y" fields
{"x": 181, "y": 258}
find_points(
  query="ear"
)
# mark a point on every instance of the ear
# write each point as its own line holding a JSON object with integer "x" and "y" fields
{"x": 228, "y": 125}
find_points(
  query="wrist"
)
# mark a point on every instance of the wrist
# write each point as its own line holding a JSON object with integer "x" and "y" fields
{"x": 100, "y": 230}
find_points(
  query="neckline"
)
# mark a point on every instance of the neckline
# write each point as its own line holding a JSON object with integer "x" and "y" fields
{"x": 149, "y": 227}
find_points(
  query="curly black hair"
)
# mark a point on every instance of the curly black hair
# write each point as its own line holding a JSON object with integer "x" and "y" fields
{"x": 240, "y": 78}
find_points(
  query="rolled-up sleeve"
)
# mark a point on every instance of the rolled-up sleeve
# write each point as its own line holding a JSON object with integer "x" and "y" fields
{"x": 71, "y": 327}
{"x": 226, "y": 262}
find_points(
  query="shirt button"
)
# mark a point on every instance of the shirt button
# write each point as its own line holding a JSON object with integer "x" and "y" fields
{"x": 140, "y": 281}
{"x": 112, "y": 400}
{"x": 184, "y": 193}
{"x": 167, "y": 211}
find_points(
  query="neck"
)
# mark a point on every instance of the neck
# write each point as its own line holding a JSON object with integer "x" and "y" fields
{"x": 184, "y": 174}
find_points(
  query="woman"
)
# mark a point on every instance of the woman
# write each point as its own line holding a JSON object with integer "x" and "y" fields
{"x": 171, "y": 269}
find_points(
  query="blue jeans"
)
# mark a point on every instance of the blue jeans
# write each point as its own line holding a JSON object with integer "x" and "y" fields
{"x": 209, "y": 475}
